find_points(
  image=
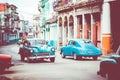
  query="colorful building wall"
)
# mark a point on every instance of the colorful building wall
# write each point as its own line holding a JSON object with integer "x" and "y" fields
{"x": 86, "y": 19}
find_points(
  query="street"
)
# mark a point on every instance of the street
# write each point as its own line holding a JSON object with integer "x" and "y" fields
{"x": 61, "y": 69}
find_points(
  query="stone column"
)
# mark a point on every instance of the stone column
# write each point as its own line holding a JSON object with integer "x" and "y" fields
{"x": 83, "y": 24}
{"x": 78, "y": 27}
{"x": 63, "y": 34}
{"x": 68, "y": 30}
{"x": 106, "y": 31}
{"x": 75, "y": 26}
{"x": 93, "y": 30}
{"x": 60, "y": 33}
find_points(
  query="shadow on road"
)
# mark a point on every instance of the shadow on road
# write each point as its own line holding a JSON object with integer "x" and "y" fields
{"x": 4, "y": 78}
{"x": 83, "y": 59}
{"x": 38, "y": 61}
{"x": 7, "y": 72}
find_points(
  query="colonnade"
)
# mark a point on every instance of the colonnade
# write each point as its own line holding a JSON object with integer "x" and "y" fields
{"x": 95, "y": 26}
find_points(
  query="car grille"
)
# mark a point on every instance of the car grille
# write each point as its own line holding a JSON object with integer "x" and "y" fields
{"x": 42, "y": 54}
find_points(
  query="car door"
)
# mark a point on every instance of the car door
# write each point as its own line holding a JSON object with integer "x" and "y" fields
{"x": 72, "y": 48}
{"x": 67, "y": 49}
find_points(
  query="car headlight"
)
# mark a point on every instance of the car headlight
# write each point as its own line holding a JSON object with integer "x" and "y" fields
{"x": 53, "y": 49}
{"x": 31, "y": 51}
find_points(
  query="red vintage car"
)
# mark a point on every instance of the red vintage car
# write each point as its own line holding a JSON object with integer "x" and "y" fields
{"x": 5, "y": 62}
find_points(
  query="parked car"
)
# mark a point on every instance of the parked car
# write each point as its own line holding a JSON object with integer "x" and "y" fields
{"x": 79, "y": 48}
{"x": 52, "y": 43}
{"x": 5, "y": 62}
{"x": 110, "y": 67}
{"x": 36, "y": 49}
{"x": 19, "y": 42}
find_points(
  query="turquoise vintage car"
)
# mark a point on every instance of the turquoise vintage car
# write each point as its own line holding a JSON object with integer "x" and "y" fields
{"x": 79, "y": 48}
{"x": 53, "y": 43}
{"x": 36, "y": 49}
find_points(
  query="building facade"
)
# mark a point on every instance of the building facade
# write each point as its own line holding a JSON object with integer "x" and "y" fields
{"x": 48, "y": 19}
{"x": 9, "y": 23}
{"x": 91, "y": 19}
{"x": 52, "y": 29}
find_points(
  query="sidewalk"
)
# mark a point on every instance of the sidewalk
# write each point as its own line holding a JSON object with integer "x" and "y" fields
{"x": 107, "y": 55}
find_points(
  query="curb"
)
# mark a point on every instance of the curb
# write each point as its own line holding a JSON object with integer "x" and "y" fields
{"x": 107, "y": 55}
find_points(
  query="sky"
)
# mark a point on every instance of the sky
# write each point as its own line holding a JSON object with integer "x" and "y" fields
{"x": 25, "y": 8}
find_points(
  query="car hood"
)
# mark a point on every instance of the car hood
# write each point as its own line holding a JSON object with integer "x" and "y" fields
{"x": 40, "y": 49}
{"x": 5, "y": 56}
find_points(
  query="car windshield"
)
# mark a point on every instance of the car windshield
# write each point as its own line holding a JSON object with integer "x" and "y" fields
{"x": 37, "y": 42}
{"x": 86, "y": 43}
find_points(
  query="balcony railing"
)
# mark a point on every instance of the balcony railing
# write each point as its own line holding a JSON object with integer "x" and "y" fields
{"x": 78, "y": 3}
{"x": 63, "y": 7}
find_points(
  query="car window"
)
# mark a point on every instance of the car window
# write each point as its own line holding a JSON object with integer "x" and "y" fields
{"x": 43, "y": 42}
{"x": 37, "y": 42}
{"x": 69, "y": 42}
{"x": 73, "y": 43}
{"x": 86, "y": 43}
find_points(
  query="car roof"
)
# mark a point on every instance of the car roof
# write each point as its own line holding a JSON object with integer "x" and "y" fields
{"x": 35, "y": 39}
{"x": 79, "y": 39}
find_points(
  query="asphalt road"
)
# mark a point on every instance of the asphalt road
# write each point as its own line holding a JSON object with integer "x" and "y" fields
{"x": 61, "y": 69}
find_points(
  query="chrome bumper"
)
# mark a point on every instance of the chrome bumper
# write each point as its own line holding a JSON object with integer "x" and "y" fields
{"x": 41, "y": 57}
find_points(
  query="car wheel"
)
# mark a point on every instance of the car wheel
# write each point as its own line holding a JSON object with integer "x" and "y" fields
{"x": 75, "y": 56}
{"x": 22, "y": 58}
{"x": 95, "y": 58}
{"x": 29, "y": 60}
{"x": 80, "y": 57}
{"x": 62, "y": 55}
{"x": 52, "y": 59}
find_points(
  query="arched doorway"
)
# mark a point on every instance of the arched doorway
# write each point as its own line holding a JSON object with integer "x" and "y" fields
{"x": 96, "y": 29}
{"x": 87, "y": 26}
{"x": 79, "y": 26}
{"x": 71, "y": 27}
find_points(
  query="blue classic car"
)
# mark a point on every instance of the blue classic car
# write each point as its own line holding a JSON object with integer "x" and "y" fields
{"x": 79, "y": 48}
{"x": 110, "y": 67}
{"x": 52, "y": 43}
{"x": 36, "y": 49}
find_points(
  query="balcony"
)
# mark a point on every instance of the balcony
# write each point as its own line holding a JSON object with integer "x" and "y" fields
{"x": 63, "y": 7}
{"x": 59, "y": 7}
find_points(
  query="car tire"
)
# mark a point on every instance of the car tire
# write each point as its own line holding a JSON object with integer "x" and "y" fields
{"x": 29, "y": 60}
{"x": 95, "y": 58}
{"x": 52, "y": 59}
{"x": 80, "y": 57}
{"x": 62, "y": 55}
{"x": 75, "y": 57}
{"x": 22, "y": 58}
